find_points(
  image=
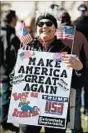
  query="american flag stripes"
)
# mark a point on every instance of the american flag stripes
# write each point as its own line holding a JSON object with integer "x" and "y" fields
{"x": 25, "y": 36}
{"x": 26, "y": 39}
{"x": 59, "y": 33}
{"x": 66, "y": 32}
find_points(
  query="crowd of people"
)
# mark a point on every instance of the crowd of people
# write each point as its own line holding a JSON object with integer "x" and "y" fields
{"x": 46, "y": 40}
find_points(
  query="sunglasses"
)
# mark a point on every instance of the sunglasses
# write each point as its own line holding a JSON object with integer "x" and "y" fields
{"x": 48, "y": 23}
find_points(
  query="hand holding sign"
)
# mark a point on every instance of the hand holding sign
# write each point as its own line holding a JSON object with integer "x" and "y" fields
{"x": 72, "y": 61}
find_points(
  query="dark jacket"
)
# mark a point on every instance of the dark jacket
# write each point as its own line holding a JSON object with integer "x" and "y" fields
{"x": 82, "y": 25}
{"x": 58, "y": 46}
{"x": 9, "y": 47}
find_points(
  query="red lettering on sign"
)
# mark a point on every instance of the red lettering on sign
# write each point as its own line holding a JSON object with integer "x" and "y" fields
{"x": 54, "y": 107}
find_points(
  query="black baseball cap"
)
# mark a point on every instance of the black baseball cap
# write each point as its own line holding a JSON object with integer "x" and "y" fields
{"x": 47, "y": 16}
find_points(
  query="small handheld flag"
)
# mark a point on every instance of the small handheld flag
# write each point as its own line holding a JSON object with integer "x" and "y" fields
{"x": 24, "y": 35}
{"x": 65, "y": 32}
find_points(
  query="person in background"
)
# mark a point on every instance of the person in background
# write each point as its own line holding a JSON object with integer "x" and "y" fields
{"x": 82, "y": 21}
{"x": 9, "y": 47}
{"x": 46, "y": 40}
{"x": 80, "y": 48}
{"x": 54, "y": 6}
{"x": 53, "y": 9}
{"x": 82, "y": 25}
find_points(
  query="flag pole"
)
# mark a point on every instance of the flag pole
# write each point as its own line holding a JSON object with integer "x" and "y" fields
{"x": 73, "y": 40}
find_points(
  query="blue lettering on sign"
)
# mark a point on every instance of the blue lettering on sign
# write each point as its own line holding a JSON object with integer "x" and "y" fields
{"x": 55, "y": 98}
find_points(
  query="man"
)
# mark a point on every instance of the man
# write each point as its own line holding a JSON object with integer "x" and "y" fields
{"x": 46, "y": 28}
{"x": 82, "y": 21}
{"x": 9, "y": 47}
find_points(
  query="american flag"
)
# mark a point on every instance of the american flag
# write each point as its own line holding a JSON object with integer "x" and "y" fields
{"x": 25, "y": 54}
{"x": 25, "y": 38}
{"x": 66, "y": 32}
{"x": 59, "y": 33}
{"x": 57, "y": 57}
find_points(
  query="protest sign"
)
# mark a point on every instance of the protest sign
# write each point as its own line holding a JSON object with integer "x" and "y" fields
{"x": 41, "y": 88}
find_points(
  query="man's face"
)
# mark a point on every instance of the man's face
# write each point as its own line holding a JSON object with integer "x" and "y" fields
{"x": 14, "y": 20}
{"x": 46, "y": 29}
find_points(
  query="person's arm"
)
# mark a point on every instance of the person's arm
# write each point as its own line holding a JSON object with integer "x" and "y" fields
{"x": 14, "y": 46}
{"x": 16, "y": 43}
{"x": 78, "y": 70}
